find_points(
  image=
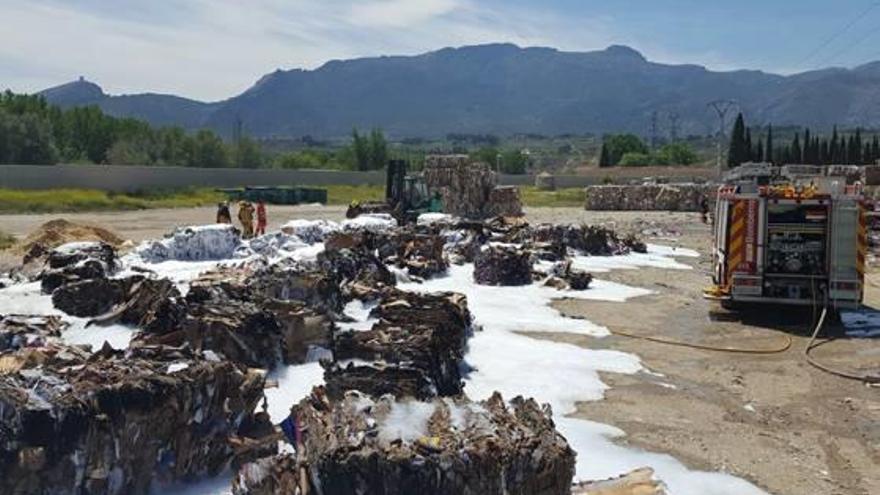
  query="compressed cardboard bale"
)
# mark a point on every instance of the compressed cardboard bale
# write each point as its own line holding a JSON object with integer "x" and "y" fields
{"x": 113, "y": 422}
{"x": 421, "y": 255}
{"x": 195, "y": 243}
{"x": 504, "y": 201}
{"x": 464, "y": 186}
{"x": 396, "y": 447}
{"x": 89, "y": 297}
{"x": 232, "y": 313}
{"x": 356, "y": 266}
{"x": 587, "y": 239}
{"x": 649, "y": 197}
{"x": 502, "y": 265}
{"x": 376, "y": 378}
{"x": 77, "y": 261}
{"x": 415, "y": 349}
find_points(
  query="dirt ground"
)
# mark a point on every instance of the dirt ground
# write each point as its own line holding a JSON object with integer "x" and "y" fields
{"x": 770, "y": 418}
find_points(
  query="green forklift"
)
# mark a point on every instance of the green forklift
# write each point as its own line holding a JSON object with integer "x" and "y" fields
{"x": 406, "y": 196}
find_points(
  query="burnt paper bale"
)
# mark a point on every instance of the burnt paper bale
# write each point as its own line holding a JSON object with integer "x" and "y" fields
{"x": 17, "y": 331}
{"x": 90, "y": 297}
{"x": 563, "y": 276}
{"x": 398, "y": 447}
{"x": 502, "y": 265}
{"x": 114, "y": 423}
{"x": 77, "y": 261}
{"x": 234, "y": 321}
{"x": 376, "y": 378}
{"x": 588, "y": 239}
{"x": 415, "y": 349}
{"x": 421, "y": 255}
{"x": 143, "y": 301}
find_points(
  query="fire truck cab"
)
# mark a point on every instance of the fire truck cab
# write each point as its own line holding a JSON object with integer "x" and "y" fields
{"x": 789, "y": 235}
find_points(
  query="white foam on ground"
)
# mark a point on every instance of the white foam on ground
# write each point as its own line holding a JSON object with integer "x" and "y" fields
{"x": 563, "y": 374}
{"x": 295, "y": 382}
{"x": 524, "y": 308}
{"x": 656, "y": 257}
{"x": 359, "y": 311}
{"x": 28, "y": 299}
{"x": 372, "y": 222}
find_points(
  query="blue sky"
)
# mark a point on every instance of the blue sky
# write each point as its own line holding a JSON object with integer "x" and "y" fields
{"x": 213, "y": 49}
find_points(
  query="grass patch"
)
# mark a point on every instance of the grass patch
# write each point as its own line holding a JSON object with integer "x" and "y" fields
{"x": 572, "y": 197}
{"x": 343, "y": 195}
{"x": 81, "y": 200}
{"x": 6, "y": 240}
{"x": 74, "y": 200}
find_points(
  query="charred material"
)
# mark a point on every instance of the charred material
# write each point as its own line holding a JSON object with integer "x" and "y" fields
{"x": 18, "y": 331}
{"x": 563, "y": 276}
{"x": 77, "y": 261}
{"x": 421, "y": 255}
{"x": 588, "y": 239}
{"x": 114, "y": 423}
{"x": 415, "y": 349}
{"x": 397, "y": 447}
{"x": 502, "y": 265}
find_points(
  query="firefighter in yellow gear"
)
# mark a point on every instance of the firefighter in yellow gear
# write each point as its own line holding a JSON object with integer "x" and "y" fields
{"x": 246, "y": 217}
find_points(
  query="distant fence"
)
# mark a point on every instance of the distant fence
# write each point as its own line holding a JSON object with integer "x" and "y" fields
{"x": 121, "y": 178}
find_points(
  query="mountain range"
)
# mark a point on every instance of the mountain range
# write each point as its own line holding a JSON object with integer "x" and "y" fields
{"x": 504, "y": 89}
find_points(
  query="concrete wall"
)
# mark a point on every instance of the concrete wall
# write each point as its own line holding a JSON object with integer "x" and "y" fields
{"x": 129, "y": 178}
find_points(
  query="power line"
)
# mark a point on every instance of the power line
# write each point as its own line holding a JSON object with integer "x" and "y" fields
{"x": 850, "y": 46}
{"x": 840, "y": 32}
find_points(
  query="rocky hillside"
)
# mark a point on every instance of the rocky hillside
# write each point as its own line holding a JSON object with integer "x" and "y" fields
{"x": 502, "y": 88}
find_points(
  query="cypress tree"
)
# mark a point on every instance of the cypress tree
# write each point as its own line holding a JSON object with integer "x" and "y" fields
{"x": 808, "y": 146}
{"x": 817, "y": 155}
{"x": 875, "y": 149}
{"x": 736, "y": 152}
{"x": 748, "y": 153}
{"x": 768, "y": 149}
{"x": 834, "y": 147}
{"x": 796, "y": 155}
{"x": 604, "y": 160}
{"x": 857, "y": 148}
{"x": 759, "y": 151}
{"x": 825, "y": 153}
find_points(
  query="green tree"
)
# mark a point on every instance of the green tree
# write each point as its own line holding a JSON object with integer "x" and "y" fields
{"x": 768, "y": 147}
{"x": 621, "y": 144}
{"x": 796, "y": 153}
{"x": 247, "y": 154}
{"x": 362, "y": 150}
{"x": 604, "y": 159}
{"x": 378, "y": 150}
{"x": 26, "y": 139}
{"x": 208, "y": 150}
{"x": 675, "y": 154}
{"x": 635, "y": 159}
{"x": 737, "y": 151}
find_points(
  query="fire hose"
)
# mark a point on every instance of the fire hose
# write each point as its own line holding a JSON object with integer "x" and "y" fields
{"x": 828, "y": 369}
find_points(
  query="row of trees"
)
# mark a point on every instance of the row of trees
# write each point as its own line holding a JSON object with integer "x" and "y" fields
{"x": 629, "y": 150}
{"x": 838, "y": 149}
{"x": 34, "y": 132}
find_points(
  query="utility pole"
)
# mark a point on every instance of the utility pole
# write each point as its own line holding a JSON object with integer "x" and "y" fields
{"x": 654, "y": 130}
{"x": 721, "y": 107}
{"x": 673, "y": 127}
